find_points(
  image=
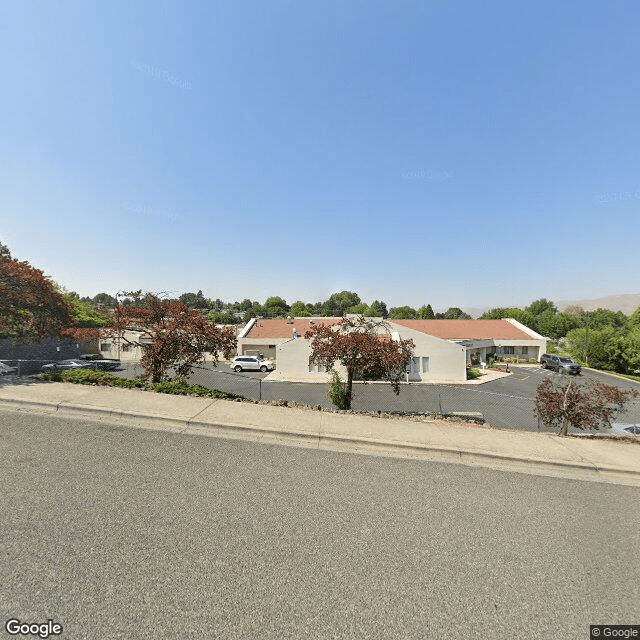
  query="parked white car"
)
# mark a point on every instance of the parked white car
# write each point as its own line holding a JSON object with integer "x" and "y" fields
{"x": 5, "y": 369}
{"x": 251, "y": 363}
{"x": 626, "y": 429}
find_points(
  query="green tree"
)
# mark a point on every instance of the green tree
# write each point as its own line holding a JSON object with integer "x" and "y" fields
{"x": 338, "y": 303}
{"x": 634, "y": 318}
{"x": 194, "y": 300}
{"x": 223, "y": 317}
{"x": 275, "y": 306}
{"x": 556, "y": 325}
{"x": 85, "y": 314}
{"x": 630, "y": 346}
{"x": 606, "y": 318}
{"x": 299, "y": 309}
{"x": 524, "y": 317}
{"x": 455, "y": 313}
{"x": 104, "y": 300}
{"x": 361, "y": 309}
{"x": 538, "y": 307}
{"x": 603, "y": 347}
{"x": 425, "y": 313}
{"x": 377, "y": 309}
{"x": 402, "y": 313}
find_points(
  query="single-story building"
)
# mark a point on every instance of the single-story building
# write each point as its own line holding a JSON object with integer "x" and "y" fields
{"x": 129, "y": 348}
{"x": 485, "y": 338}
{"x": 261, "y": 337}
{"x": 443, "y": 348}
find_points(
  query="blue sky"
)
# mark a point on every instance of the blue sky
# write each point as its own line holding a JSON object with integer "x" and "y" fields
{"x": 460, "y": 154}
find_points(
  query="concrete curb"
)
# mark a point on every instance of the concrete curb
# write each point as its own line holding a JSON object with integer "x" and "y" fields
{"x": 343, "y": 443}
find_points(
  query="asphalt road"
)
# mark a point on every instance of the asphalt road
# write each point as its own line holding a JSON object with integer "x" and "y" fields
{"x": 506, "y": 403}
{"x": 117, "y": 532}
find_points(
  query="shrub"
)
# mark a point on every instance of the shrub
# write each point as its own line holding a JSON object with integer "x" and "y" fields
{"x": 338, "y": 394}
{"x": 179, "y": 386}
{"x": 472, "y": 374}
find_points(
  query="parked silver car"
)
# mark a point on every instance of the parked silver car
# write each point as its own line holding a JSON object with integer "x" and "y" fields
{"x": 251, "y": 363}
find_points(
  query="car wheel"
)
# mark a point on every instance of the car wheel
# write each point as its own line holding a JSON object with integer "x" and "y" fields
{"x": 237, "y": 368}
{"x": 263, "y": 369}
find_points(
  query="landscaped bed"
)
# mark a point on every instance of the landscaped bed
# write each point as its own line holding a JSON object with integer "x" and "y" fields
{"x": 177, "y": 386}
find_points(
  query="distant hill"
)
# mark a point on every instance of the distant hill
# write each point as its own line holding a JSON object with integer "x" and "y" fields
{"x": 625, "y": 302}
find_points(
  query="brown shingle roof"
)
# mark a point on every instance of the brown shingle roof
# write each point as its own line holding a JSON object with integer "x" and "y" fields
{"x": 467, "y": 329}
{"x": 280, "y": 328}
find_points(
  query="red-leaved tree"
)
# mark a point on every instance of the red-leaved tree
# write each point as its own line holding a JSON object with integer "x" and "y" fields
{"x": 590, "y": 406}
{"x": 364, "y": 347}
{"x": 32, "y": 307}
{"x": 171, "y": 335}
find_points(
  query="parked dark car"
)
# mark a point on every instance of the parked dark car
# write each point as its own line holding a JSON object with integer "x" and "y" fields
{"x": 561, "y": 364}
{"x": 96, "y": 361}
{"x": 62, "y": 365}
{"x": 104, "y": 364}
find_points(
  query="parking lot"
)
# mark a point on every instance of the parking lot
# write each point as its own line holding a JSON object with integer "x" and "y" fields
{"x": 505, "y": 403}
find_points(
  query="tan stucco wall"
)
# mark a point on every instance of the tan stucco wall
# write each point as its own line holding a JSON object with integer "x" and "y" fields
{"x": 447, "y": 360}
{"x": 293, "y": 361}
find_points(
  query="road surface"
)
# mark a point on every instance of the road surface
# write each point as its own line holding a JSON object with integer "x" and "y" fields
{"x": 116, "y": 532}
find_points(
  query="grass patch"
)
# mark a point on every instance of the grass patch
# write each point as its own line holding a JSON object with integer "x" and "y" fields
{"x": 178, "y": 386}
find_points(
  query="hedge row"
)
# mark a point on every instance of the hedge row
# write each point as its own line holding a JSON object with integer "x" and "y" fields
{"x": 178, "y": 386}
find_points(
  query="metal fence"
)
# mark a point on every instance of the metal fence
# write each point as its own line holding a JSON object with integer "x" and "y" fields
{"x": 26, "y": 367}
{"x": 497, "y": 409}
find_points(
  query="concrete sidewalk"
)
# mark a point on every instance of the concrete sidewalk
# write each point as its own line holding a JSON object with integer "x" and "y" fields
{"x": 600, "y": 460}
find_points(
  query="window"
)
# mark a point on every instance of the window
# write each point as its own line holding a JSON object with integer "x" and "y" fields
{"x": 425, "y": 365}
{"x": 126, "y": 347}
{"x": 105, "y": 346}
{"x": 525, "y": 351}
{"x": 509, "y": 351}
